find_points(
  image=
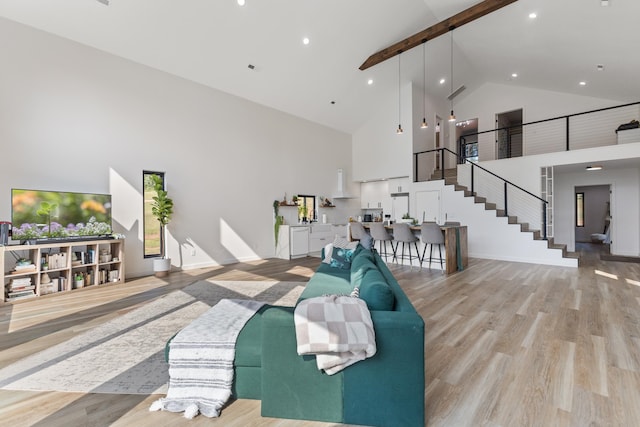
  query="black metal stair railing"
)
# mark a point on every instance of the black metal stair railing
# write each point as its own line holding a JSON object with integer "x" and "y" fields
{"x": 506, "y": 184}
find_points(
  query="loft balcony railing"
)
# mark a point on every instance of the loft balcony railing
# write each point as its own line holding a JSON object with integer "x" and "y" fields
{"x": 595, "y": 128}
{"x": 588, "y": 129}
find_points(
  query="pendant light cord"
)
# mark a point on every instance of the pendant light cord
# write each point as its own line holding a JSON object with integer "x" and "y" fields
{"x": 452, "y": 118}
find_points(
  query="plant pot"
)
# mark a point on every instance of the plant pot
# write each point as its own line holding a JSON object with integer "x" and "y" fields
{"x": 162, "y": 267}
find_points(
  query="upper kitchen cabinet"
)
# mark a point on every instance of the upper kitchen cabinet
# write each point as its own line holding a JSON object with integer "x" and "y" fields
{"x": 374, "y": 195}
{"x": 398, "y": 185}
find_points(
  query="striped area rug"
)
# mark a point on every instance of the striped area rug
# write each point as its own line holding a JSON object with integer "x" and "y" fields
{"x": 126, "y": 354}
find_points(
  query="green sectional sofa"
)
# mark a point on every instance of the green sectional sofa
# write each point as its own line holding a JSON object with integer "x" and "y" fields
{"x": 384, "y": 390}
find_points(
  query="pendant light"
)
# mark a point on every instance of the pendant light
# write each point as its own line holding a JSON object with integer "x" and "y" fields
{"x": 424, "y": 124}
{"x": 399, "y": 131}
{"x": 452, "y": 117}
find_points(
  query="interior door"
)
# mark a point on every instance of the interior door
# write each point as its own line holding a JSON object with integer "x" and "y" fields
{"x": 428, "y": 206}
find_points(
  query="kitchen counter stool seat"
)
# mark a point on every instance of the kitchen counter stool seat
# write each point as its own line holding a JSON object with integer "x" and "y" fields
{"x": 431, "y": 234}
{"x": 402, "y": 234}
{"x": 380, "y": 234}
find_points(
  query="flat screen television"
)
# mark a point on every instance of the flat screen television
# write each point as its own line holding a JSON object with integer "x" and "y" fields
{"x": 49, "y": 215}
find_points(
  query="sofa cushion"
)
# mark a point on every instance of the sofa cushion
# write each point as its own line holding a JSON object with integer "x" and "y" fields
{"x": 362, "y": 262}
{"x": 376, "y": 292}
{"x": 327, "y": 283}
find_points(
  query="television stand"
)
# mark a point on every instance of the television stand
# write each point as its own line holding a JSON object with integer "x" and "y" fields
{"x": 60, "y": 266}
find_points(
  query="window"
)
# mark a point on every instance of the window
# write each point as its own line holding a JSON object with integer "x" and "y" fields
{"x": 579, "y": 209}
{"x": 153, "y": 235}
{"x": 306, "y": 208}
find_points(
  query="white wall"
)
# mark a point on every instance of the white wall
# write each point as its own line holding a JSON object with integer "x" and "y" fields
{"x": 378, "y": 151}
{"x": 73, "y": 118}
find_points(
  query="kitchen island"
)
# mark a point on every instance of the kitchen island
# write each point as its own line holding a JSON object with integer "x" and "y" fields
{"x": 455, "y": 244}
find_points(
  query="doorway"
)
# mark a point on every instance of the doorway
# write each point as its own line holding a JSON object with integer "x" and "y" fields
{"x": 509, "y": 134}
{"x": 467, "y": 137}
{"x": 593, "y": 214}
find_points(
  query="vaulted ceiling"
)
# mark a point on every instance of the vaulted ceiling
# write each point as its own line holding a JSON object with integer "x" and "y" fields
{"x": 213, "y": 42}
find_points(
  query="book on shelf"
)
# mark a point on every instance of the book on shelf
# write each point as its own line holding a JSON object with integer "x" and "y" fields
{"x": 18, "y": 297}
{"x": 20, "y": 288}
{"x": 19, "y": 282}
{"x": 20, "y": 293}
{"x": 21, "y": 269}
{"x": 57, "y": 261}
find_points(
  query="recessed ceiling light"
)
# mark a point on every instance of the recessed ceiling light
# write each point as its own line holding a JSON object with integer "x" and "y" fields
{"x": 240, "y": 2}
{"x": 370, "y": 81}
{"x": 604, "y": 3}
{"x": 514, "y": 75}
{"x": 594, "y": 168}
{"x": 305, "y": 40}
{"x": 600, "y": 67}
{"x": 442, "y": 81}
{"x": 583, "y": 83}
{"x": 533, "y": 15}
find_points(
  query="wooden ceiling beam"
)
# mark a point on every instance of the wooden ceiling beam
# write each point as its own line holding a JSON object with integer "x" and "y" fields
{"x": 468, "y": 15}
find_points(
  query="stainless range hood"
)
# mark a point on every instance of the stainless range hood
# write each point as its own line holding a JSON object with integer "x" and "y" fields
{"x": 341, "y": 194}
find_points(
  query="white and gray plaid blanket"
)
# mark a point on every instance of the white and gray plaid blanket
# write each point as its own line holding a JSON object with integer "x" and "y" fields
{"x": 337, "y": 329}
{"x": 201, "y": 360}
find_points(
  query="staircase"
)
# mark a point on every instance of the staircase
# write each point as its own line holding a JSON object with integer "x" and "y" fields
{"x": 451, "y": 179}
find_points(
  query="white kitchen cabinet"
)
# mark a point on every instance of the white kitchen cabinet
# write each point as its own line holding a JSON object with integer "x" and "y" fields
{"x": 293, "y": 241}
{"x": 320, "y": 235}
{"x": 373, "y": 194}
{"x": 339, "y": 230}
{"x": 398, "y": 185}
{"x": 299, "y": 241}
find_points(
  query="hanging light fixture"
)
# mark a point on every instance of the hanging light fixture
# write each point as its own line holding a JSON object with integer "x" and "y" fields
{"x": 399, "y": 131}
{"x": 452, "y": 117}
{"x": 424, "y": 124}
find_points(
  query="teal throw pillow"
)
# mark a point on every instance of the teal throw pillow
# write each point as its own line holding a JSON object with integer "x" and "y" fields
{"x": 341, "y": 258}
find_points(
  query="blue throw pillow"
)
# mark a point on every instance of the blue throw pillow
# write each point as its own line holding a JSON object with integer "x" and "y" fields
{"x": 341, "y": 258}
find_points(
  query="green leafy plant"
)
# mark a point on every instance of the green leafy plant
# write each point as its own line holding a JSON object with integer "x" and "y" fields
{"x": 406, "y": 216}
{"x": 162, "y": 207}
{"x": 278, "y": 219}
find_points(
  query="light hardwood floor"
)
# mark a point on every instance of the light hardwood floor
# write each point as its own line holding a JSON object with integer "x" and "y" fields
{"x": 507, "y": 344}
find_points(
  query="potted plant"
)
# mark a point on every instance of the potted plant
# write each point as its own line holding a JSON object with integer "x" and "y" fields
{"x": 278, "y": 219}
{"x": 78, "y": 280}
{"x": 406, "y": 218}
{"x": 162, "y": 210}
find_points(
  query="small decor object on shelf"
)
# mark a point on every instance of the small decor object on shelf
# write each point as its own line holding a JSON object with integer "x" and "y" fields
{"x": 78, "y": 280}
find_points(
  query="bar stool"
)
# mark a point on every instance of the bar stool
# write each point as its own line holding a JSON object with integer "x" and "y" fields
{"x": 402, "y": 234}
{"x": 357, "y": 230}
{"x": 431, "y": 234}
{"x": 380, "y": 234}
